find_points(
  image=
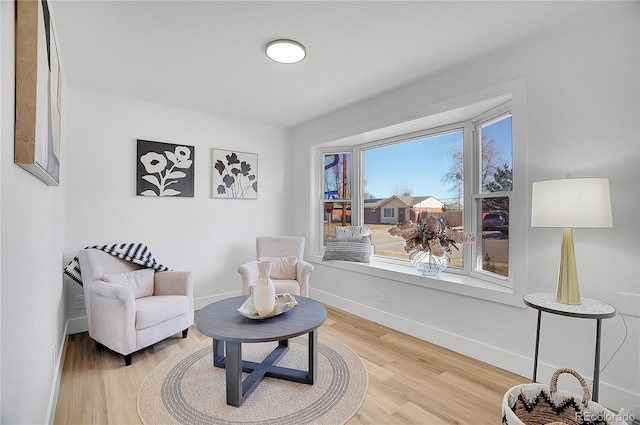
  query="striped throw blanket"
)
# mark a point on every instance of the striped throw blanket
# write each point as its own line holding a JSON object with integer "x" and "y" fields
{"x": 134, "y": 252}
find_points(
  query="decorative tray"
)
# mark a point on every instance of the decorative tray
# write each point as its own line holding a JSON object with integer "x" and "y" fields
{"x": 284, "y": 302}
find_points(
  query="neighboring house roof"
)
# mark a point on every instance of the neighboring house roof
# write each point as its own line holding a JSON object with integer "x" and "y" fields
{"x": 412, "y": 201}
{"x": 373, "y": 202}
{"x": 409, "y": 201}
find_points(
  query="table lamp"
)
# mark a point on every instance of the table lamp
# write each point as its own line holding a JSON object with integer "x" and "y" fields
{"x": 569, "y": 203}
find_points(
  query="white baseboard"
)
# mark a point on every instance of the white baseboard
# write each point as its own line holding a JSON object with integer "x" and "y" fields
{"x": 512, "y": 362}
{"x": 55, "y": 384}
{"x": 201, "y": 302}
{"x": 77, "y": 325}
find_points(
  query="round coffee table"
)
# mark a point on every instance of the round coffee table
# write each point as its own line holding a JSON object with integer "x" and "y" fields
{"x": 229, "y": 330}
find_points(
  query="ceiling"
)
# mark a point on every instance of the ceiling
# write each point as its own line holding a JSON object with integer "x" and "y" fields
{"x": 208, "y": 55}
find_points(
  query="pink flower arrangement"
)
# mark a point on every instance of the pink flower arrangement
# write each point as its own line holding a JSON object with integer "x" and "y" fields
{"x": 432, "y": 234}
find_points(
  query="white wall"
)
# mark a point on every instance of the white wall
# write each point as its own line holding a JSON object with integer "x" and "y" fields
{"x": 210, "y": 237}
{"x": 582, "y": 118}
{"x": 32, "y": 235}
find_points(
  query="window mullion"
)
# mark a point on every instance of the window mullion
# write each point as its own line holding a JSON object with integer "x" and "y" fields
{"x": 357, "y": 203}
{"x": 469, "y": 180}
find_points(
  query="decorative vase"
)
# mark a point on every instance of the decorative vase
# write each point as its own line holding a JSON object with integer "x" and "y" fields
{"x": 427, "y": 263}
{"x": 264, "y": 293}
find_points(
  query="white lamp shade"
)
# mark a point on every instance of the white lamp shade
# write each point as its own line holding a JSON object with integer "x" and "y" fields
{"x": 569, "y": 203}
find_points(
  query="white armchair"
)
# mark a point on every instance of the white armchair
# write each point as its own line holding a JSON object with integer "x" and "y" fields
{"x": 130, "y": 307}
{"x": 289, "y": 273}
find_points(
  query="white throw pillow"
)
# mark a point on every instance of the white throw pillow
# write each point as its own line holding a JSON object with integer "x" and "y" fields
{"x": 352, "y": 231}
{"x": 139, "y": 281}
{"x": 282, "y": 267}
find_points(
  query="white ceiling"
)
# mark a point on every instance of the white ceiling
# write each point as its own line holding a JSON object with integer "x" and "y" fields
{"x": 208, "y": 55}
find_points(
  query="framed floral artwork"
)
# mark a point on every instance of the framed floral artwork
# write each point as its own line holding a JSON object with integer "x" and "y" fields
{"x": 234, "y": 174}
{"x": 164, "y": 169}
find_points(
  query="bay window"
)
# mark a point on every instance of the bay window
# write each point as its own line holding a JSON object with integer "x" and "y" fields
{"x": 461, "y": 172}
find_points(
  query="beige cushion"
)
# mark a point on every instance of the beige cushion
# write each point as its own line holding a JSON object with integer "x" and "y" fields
{"x": 286, "y": 286}
{"x": 282, "y": 267}
{"x": 139, "y": 281}
{"x": 283, "y": 286}
{"x": 151, "y": 311}
{"x": 352, "y": 231}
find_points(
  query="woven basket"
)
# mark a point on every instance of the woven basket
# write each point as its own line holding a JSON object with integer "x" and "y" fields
{"x": 538, "y": 404}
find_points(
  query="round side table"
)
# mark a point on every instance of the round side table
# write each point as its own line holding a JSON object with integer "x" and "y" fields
{"x": 587, "y": 309}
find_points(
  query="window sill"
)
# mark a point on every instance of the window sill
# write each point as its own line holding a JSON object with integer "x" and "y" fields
{"x": 449, "y": 282}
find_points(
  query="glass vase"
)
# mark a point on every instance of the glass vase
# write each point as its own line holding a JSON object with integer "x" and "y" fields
{"x": 427, "y": 263}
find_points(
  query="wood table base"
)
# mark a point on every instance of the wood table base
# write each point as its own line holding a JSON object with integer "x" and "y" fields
{"x": 237, "y": 389}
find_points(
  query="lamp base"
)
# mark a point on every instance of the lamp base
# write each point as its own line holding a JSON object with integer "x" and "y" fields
{"x": 568, "y": 291}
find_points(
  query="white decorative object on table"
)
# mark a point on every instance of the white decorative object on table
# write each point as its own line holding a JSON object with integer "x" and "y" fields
{"x": 264, "y": 293}
{"x": 283, "y": 303}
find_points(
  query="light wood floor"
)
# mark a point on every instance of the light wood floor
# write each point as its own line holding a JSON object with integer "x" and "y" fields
{"x": 410, "y": 381}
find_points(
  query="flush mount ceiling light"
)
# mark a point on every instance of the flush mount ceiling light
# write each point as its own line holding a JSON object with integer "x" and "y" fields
{"x": 285, "y": 51}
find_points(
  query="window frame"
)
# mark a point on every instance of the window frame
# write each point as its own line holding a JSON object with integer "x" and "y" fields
{"x": 432, "y": 115}
{"x": 478, "y": 194}
{"x": 421, "y": 134}
{"x": 472, "y": 161}
{"x": 321, "y": 186}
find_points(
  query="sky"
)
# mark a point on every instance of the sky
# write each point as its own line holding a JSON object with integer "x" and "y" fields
{"x": 420, "y": 165}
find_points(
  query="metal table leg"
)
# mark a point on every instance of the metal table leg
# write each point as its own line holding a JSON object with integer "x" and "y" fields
{"x": 535, "y": 356}
{"x": 313, "y": 356}
{"x": 596, "y": 367}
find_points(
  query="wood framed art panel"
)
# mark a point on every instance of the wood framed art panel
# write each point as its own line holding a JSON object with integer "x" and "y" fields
{"x": 165, "y": 169}
{"x": 38, "y": 92}
{"x": 234, "y": 175}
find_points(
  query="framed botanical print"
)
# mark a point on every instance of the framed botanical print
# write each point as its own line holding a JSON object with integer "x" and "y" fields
{"x": 164, "y": 169}
{"x": 234, "y": 174}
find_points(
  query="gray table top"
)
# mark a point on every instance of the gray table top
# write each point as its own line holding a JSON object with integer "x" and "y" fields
{"x": 221, "y": 321}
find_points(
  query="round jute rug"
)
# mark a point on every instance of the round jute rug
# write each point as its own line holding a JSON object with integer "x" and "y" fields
{"x": 187, "y": 389}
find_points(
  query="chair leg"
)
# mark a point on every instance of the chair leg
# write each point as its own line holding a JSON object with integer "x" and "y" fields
{"x": 127, "y": 360}
{"x": 184, "y": 333}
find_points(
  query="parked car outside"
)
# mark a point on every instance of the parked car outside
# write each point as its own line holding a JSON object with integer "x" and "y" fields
{"x": 496, "y": 221}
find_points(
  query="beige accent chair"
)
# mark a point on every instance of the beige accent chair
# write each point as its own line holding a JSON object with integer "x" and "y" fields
{"x": 289, "y": 272}
{"x": 130, "y": 307}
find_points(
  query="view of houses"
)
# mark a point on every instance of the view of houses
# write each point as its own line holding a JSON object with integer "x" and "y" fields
{"x": 394, "y": 210}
